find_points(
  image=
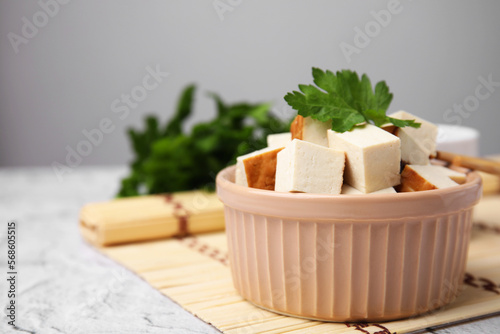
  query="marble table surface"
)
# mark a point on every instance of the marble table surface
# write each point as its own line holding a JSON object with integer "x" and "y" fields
{"x": 65, "y": 286}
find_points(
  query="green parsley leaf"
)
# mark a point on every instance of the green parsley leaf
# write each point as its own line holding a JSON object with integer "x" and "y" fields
{"x": 344, "y": 99}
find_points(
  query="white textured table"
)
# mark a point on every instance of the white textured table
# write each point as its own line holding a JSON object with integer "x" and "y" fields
{"x": 65, "y": 286}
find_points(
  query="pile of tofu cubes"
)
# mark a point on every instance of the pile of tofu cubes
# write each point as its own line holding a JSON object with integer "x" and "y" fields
{"x": 312, "y": 158}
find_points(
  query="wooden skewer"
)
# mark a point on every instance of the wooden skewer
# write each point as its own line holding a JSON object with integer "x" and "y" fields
{"x": 481, "y": 164}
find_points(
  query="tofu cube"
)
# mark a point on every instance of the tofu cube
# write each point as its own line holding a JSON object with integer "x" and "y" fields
{"x": 419, "y": 178}
{"x": 257, "y": 169}
{"x": 372, "y": 157}
{"x": 311, "y": 130}
{"x": 412, "y": 151}
{"x": 389, "y": 128}
{"x": 456, "y": 176}
{"x": 310, "y": 168}
{"x": 348, "y": 190}
{"x": 416, "y": 144}
{"x": 278, "y": 140}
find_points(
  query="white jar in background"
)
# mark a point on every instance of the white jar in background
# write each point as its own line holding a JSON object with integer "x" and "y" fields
{"x": 458, "y": 139}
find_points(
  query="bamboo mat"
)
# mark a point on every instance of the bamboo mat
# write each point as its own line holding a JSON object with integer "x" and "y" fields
{"x": 194, "y": 272}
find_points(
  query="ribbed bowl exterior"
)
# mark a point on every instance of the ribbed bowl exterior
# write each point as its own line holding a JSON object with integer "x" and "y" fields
{"x": 347, "y": 269}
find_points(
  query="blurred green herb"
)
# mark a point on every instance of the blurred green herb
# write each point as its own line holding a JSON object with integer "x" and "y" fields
{"x": 167, "y": 159}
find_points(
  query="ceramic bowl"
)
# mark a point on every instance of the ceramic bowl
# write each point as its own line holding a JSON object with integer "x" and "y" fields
{"x": 348, "y": 257}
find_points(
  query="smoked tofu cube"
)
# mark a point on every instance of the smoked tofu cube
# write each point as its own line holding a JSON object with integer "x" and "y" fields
{"x": 279, "y": 139}
{"x": 311, "y": 130}
{"x": 348, "y": 190}
{"x": 418, "y": 178}
{"x": 309, "y": 168}
{"x": 257, "y": 169}
{"x": 372, "y": 157}
{"x": 416, "y": 144}
{"x": 389, "y": 128}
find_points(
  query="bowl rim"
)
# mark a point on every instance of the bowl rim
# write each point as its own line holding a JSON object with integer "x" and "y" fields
{"x": 373, "y": 207}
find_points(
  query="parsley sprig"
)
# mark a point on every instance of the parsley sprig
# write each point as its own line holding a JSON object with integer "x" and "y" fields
{"x": 345, "y": 100}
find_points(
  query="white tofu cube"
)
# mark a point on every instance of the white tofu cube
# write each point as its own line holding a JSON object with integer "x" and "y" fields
{"x": 257, "y": 169}
{"x": 310, "y": 168}
{"x": 453, "y": 174}
{"x": 412, "y": 152}
{"x": 416, "y": 144}
{"x": 348, "y": 190}
{"x": 418, "y": 178}
{"x": 372, "y": 157}
{"x": 279, "y": 139}
{"x": 311, "y": 130}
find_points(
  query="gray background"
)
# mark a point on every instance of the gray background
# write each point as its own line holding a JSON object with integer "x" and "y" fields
{"x": 65, "y": 78}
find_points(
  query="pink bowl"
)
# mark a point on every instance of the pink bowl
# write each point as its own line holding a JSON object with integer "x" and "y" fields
{"x": 348, "y": 257}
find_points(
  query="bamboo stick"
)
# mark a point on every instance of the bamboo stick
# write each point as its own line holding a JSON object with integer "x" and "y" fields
{"x": 484, "y": 165}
